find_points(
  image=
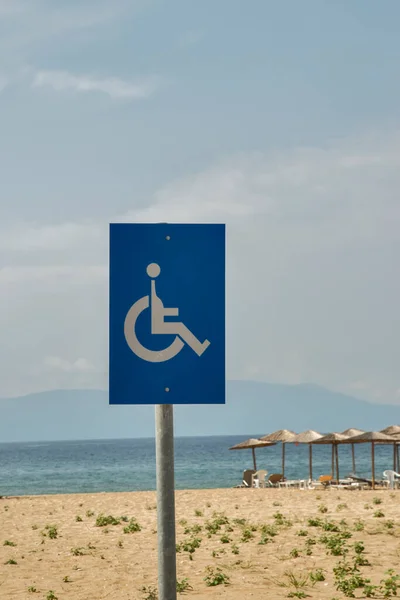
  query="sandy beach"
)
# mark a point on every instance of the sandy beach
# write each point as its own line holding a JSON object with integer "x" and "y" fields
{"x": 51, "y": 547}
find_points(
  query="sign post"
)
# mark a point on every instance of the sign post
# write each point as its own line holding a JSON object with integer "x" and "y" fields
{"x": 165, "y": 502}
{"x": 167, "y": 286}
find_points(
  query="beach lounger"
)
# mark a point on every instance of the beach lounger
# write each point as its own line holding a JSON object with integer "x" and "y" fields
{"x": 325, "y": 480}
{"x": 299, "y": 483}
{"x": 246, "y": 479}
{"x": 274, "y": 479}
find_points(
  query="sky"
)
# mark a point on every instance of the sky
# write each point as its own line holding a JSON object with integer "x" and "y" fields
{"x": 281, "y": 119}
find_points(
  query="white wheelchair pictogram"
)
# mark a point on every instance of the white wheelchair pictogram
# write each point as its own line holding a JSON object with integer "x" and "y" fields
{"x": 159, "y": 326}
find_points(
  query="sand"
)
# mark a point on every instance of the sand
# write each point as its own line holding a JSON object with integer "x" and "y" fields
{"x": 105, "y": 562}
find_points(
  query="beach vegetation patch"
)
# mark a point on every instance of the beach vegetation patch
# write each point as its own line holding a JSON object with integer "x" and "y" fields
{"x": 317, "y": 575}
{"x": 235, "y": 549}
{"x": 341, "y": 506}
{"x": 104, "y": 520}
{"x": 225, "y": 539}
{"x": 276, "y": 503}
{"x": 11, "y": 561}
{"x": 247, "y": 534}
{"x": 51, "y": 531}
{"x": 9, "y": 543}
{"x": 348, "y": 579}
{"x": 296, "y": 582}
{"x": 270, "y": 530}
{"x": 78, "y": 551}
{"x": 90, "y": 513}
{"x": 150, "y": 592}
{"x": 189, "y": 546}
{"x": 196, "y": 528}
{"x": 335, "y": 544}
{"x": 198, "y": 513}
{"x": 215, "y": 577}
{"x": 302, "y": 533}
{"x": 378, "y": 514}
{"x": 78, "y": 519}
{"x": 133, "y": 526}
{"x": 183, "y": 586}
{"x": 32, "y": 589}
{"x": 322, "y": 508}
{"x": 389, "y": 524}
{"x": 294, "y": 553}
{"x": 220, "y": 518}
{"x": 330, "y": 526}
{"x": 51, "y": 595}
{"x": 314, "y": 522}
{"x": 377, "y": 500}
{"x": 281, "y": 520}
{"x": 66, "y": 579}
{"x": 390, "y": 585}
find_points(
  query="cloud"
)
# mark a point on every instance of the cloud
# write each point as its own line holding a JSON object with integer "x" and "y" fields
{"x": 55, "y": 275}
{"x": 312, "y": 241}
{"x": 61, "y": 81}
{"x": 80, "y": 365}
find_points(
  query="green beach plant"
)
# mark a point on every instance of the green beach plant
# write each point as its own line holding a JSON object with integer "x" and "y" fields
{"x": 133, "y": 526}
{"x": 183, "y": 586}
{"x": 104, "y": 520}
{"x": 150, "y": 592}
{"x": 215, "y": 577}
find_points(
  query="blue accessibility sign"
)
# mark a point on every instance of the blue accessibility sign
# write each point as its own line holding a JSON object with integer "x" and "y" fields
{"x": 167, "y": 314}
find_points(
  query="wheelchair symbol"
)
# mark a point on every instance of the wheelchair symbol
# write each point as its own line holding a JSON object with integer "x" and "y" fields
{"x": 159, "y": 326}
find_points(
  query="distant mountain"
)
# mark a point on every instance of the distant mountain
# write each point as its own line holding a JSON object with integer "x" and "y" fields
{"x": 251, "y": 406}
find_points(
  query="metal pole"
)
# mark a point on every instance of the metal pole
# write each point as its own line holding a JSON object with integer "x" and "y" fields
{"x": 283, "y": 459}
{"x": 254, "y": 459}
{"x": 337, "y": 462}
{"x": 165, "y": 502}
{"x": 373, "y": 464}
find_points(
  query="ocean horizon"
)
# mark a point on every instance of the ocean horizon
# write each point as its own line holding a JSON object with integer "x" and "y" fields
{"x": 120, "y": 465}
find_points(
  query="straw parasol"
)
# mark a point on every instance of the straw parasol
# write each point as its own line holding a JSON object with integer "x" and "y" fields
{"x": 374, "y": 437}
{"x": 307, "y": 437}
{"x": 334, "y": 439}
{"x": 395, "y": 431}
{"x": 284, "y": 436}
{"x": 252, "y": 443}
{"x": 351, "y": 433}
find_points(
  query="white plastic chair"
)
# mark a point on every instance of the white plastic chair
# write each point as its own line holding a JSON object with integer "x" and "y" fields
{"x": 258, "y": 478}
{"x": 391, "y": 477}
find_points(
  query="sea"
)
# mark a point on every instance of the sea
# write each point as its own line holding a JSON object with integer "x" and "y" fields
{"x": 129, "y": 464}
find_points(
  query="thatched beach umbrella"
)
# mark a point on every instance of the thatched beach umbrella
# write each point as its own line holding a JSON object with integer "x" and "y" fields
{"x": 282, "y": 435}
{"x": 306, "y": 437}
{"x": 334, "y": 439}
{"x": 253, "y": 444}
{"x": 351, "y": 433}
{"x": 394, "y": 430}
{"x": 374, "y": 437}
